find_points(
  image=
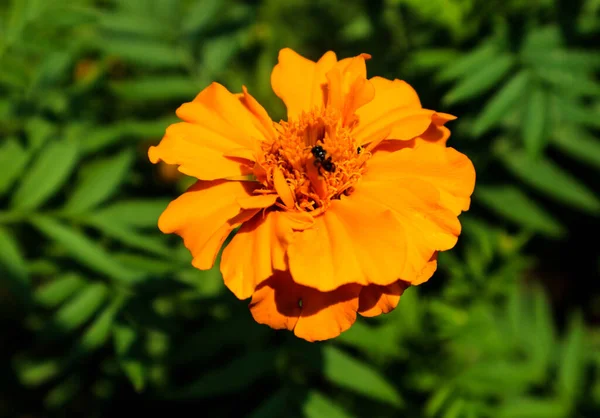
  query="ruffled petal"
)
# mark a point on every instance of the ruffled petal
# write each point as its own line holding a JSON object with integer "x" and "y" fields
{"x": 204, "y": 216}
{"x": 354, "y": 241}
{"x": 394, "y": 113}
{"x": 348, "y": 87}
{"x": 314, "y": 316}
{"x": 300, "y": 82}
{"x": 428, "y": 271}
{"x": 257, "y": 249}
{"x": 376, "y": 300}
{"x": 217, "y": 125}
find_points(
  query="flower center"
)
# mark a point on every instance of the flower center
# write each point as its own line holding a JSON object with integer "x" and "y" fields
{"x": 316, "y": 156}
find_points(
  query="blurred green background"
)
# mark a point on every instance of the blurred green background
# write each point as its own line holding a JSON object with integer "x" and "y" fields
{"x": 99, "y": 310}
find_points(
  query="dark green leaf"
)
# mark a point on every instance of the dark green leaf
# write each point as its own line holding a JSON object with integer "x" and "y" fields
{"x": 533, "y": 408}
{"x": 144, "y": 52}
{"x": 134, "y": 213}
{"x": 160, "y": 88}
{"x": 238, "y": 375}
{"x": 276, "y": 405}
{"x": 99, "y": 331}
{"x": 353, "y": 374}
{"x": 471, "y": 62}
{"x": 200, "y": 15}
{"x": 535, "y": 120}
{"x": 48, "y": 173}
{"x": 98, "y": 182}
{"x": 578, "y": 143}
{"x": 34, "y": 373}
{"x": 481, "y": 81}
{"x": 514, "y": 205}
{"x": 84, "y": 249}
{"x": 124, "y": 338}
{"x": 11, "y": 257}
{"x": 550, "y": 179}
{"x": 501, "y": 103}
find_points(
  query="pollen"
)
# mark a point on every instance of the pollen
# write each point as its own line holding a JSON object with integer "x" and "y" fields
{"x": 316, "y": 156}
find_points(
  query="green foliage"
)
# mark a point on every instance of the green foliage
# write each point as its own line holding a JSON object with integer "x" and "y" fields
{"x": 98, "y": 306}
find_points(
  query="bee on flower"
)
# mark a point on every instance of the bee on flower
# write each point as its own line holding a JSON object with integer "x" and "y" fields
{"x": 341, "y": 207}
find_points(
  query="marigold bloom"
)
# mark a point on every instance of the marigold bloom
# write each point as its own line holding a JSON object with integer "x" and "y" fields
{"x": 341, "y": 207}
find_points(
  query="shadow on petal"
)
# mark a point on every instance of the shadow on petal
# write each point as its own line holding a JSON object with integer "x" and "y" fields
{"x": 375, "y": 300}
{"x": 313, "y": 315}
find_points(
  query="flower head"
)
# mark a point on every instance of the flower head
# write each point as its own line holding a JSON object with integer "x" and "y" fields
{"x": 340, "y": 208}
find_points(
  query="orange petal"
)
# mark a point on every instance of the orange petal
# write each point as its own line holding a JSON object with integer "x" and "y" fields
{"x": 376, "y": 300}
{"x": 313, "y": 315}
{"x": 427, "y": 226}
{"x": 354, "y": 241}
{"x": 260, "y": 117}
{"x": 437, "y": 133}
{"x": 394, "y": 113}
{"x": 283, "y": 189}
{"x": 428, "y": 271}
{"x": 204, "y": 216}
{"x": 300, "y": 82}
{"x": 348, "y": 87}
{"x": 257, "y": 249}
{"x": 257, "y": 201}
{"x": 198, "y": 153}
{"x": 221, "y": 112}
{"x": 446, "y": 169}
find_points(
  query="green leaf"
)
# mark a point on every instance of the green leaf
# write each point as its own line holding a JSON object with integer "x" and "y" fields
{"x": 62, "y": 393}
{"x": 513, "y": 204}
{"x": 144, "y": 52}
{"x": 98, "y": 333}
{"x": 200, "y": 16}
{"x": 11, "y": 258}
{"x": 433, "y": 59}
{"x": 80, "y": 308}
{"x": 316, "y": 405}
{"x": 58, "y": 290}
{"x": 535, "y": 120}
{"x": 48, "y": 173}
{"x": 134, "y": 213}
{"x": 550, "y": 179}
{"x": 276, "y": 405}
{"x": 133, "y": 24}
{"x": 470, "y": 62}
{"x": 481, "y": 81}
{"x": 125, "y": 338}
{"x": 372, "y": 340}
{"x": 12, "y": 160}
{"x": 218, "y": 52}
{"x": 570, "y": 83}
{"x": 124, "y": 233}
{"x": 99, "y": 181}
{"x": 166, "y": 87}
{"x": 501, "y": 103}
{"x": 102, "y": 137}
{"x": 352, "y": 374}
{"x": 578, "y": 143}
{"x": 572, "y": 361}
{"x": 533, "y": 408}
{"x": 236, "y": 376}
{"x": 34, "y": 373}
{"x": 84, "y": 249}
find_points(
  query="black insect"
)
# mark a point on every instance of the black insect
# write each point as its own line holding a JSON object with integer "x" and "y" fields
{"x": 358, "y": 150}
{"x": 321, "y": 159}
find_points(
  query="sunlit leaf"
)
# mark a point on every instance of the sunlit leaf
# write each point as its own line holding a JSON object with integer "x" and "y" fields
{"x": 350, "y": 373}
{"x": 58, "y": 290}
{"x": 134, "y": 213}
{"x": 84, "y": 249}
{"x": 317, "y": 405}
{"x": 552, "y": 180}
{"x": 470, "y": 62}
{"x": 513, "y": 204}
{"x": 11, "y": 256}
{"x": 12, "y": 160}
{"x": 99, "y": 181}
{"x": 572, "y": 361}
{"x": 533, "y": 408}
{"x": 34, "y": 373}
{"x": 146, "y": 52}
{"x": 48, "y": 173}
{"x": 80, "y": 308}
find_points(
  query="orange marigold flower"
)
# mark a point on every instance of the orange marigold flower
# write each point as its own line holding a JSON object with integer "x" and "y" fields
{"x": 340, "y": 208}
